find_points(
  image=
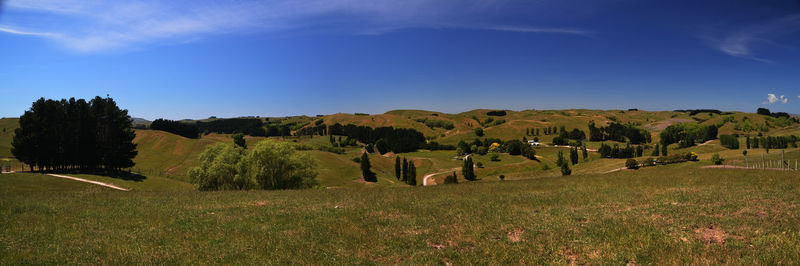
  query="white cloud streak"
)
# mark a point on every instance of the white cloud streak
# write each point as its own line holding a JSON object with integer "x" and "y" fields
{"x": 101, "y": 25}
{"x": 741, "y": 43}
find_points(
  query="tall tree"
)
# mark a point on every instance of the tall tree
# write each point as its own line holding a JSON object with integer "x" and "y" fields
{"x": 397, "y": 167}
{"x": 238, "y": 140}
{"x": 405, "y": 169}
{"x": 573, "y": 155}
{"x": 368, "y": 175}
{"x": 412, "y": 174}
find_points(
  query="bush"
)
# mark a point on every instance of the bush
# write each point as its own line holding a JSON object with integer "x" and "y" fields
{"x": 479, "y": 132}
{"x": 479, "y": 164}
{"x": 502, "y": 177}
{"x": 631, "y": 164}
{"x": 565, "y": 170}
{"x": 716, "y": 159}
{"x": 495, "y": 158}
{"x": 357, "y": 159}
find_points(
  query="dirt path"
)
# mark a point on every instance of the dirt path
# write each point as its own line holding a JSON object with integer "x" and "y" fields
{"x": 427, "y": 182}
{"x": 614, "y": 170}
{"x": 89, "y": 181}
{"x": 704, "y": 143}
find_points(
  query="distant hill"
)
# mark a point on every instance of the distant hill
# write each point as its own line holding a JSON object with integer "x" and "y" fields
{"x": 141, "y": 121}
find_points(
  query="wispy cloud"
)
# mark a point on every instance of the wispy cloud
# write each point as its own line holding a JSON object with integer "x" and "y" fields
{"x": 741, "y": 42}
{"x": 771, "y": 98}
{"x": 90, "y": 26}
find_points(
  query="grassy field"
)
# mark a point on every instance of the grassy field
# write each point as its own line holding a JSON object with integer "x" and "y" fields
{"x": 666, "y": 215}
{"x": 7, "y": 127}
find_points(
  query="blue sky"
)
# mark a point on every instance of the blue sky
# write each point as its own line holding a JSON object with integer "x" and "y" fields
{"x": 194, "y": 59}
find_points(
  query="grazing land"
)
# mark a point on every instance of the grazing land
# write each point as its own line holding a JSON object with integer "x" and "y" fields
{"x": 670, "y": 215}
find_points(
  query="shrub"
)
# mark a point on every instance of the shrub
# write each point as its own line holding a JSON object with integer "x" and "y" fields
{"x": 479, "y": 132}
{"x": 479, "y": 164}
{"x": 716, "y": 159}
{"x": 502, "y": 177}
{"x": 545, "y": 167}
{"x": 451, "y": 179}
{"x": 631, "y": 164}
{"x": 565, "y": 170}
{"x": 495, "y": 158}
{"x": 357, "y": 159}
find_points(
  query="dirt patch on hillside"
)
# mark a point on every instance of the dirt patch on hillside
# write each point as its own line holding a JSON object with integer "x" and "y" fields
{"x": 661, "y": 125}
{"x": 515, "y": 235}
{"x": 712, "y": 235}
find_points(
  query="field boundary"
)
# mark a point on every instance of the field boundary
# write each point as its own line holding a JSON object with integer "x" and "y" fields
{"x": 89, "y": 181}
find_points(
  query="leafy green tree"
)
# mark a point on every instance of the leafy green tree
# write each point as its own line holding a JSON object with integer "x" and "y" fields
{"x": 412, "y": 174}
{"x": 664, "y": 149}
{"x": 238, "y": 140}
{"x": 276, "y": 165}
{"x": 560, "y": 161}
{"x": 655, "y": 151}
{"x": 219, "y": 169}
{"x": 451, "y": 179}
{"x": 631, "y": 164}
{"x": 639, "y": 151}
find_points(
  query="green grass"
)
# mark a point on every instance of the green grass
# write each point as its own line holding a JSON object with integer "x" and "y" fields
{"x": 656, "y": 215}
{"x": 7, "y": 127}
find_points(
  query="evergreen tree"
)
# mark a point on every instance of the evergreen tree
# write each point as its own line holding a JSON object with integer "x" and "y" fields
{"x": 573, "y": 155}
{"x": 639, "y": 151}
{"x": 468, "y": 169}
{"x": 397, "y": 167}
{"x": 585, "y": 153}
{"x": 368, "y": 175}
{"x": 655, "y": 151}
{"x": 747, "y": 139}
{"x": 664, "y": 150}
{"x": 560, "y": 161}
{"x": 412, "y": 176}
{"x": 405, "y": 170}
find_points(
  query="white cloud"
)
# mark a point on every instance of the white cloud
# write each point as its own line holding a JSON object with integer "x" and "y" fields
{"x": 89, "y": 26}
{"x": 772, "y": 98}
{"x": 741, "y": 42}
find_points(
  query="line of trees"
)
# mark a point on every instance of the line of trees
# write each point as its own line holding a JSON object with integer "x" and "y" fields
{"x": 772, "y": 142}
{"x": 188, "y": 130}
{"x": 607, "y": 151}
{"x": 385, "y": 139}
{"x": 75, "y": 135}
{"x": 618, "y": 132}
{"x": 729, "y": 141}
{"x": 406, "y": 172}
{"x": 248, "y": 126}
{"x": 687, "y": 134}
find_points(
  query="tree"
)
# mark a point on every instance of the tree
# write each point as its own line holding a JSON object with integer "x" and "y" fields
{"x": 639, "y": 151}
{"x": 573, "y": 155}
{"x": 75, "y": 134}
{"x": 560, "y": 161}
{"x": 238, "y": 140}
{"x": 631, "y": 164}
{"x": 451, "y": 179}
{"x": 716, "y": 159}
{"x": 479, "y": 132}
{"x": 655, "y": 151}
{"x": 397, "y": 168}
{"x": 368, "y": 175}
{"x": 276, "y": 165}
{"x": 664, "y": 150}
{"x": 412, "y": 175}
{"x": 565, "y": 170}
{"x": 405, "y": 170}
{"x": 219, "y": 169}
{"x": 747, "y": 140}
{"x": 468, "y": 170}
{"x": 585, "y": 153}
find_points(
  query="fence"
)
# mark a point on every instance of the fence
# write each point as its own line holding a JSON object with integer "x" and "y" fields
{"x": 767, "y": 163}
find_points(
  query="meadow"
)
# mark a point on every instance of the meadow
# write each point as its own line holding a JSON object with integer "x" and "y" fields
{"x": 667, "y": 215}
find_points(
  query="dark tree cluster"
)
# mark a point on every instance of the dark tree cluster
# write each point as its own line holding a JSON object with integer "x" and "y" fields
{"x": 616, "y": 131}
{"x": 248, "y": 126}
{"x": 489, "y": 121}
{"x": 496, "y": 113}
{"x": 687, "y": 134}
{"x": 607, "y": 151}
{"x": 765, "y": 111}
{"x": 434, "y": 123}
{"x": 729, "y": 141}
{"x": 697, "y": 111}
{"x": 385, "y": 139}
{"x": 565, "y": 136}
{"x": 516, "y": 147}
{"x": 406, "y": 172}
{"x": 317, "y": 129}
{"x": 480, "y": 146}
{"x": 176, "y": 127}
{"x": 774, "y": 142}
{"x": 75, "y": 135}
